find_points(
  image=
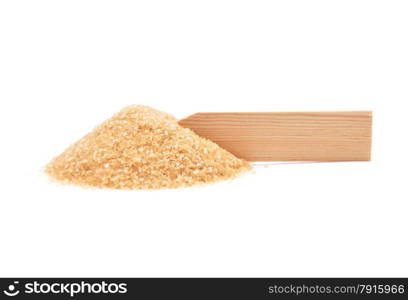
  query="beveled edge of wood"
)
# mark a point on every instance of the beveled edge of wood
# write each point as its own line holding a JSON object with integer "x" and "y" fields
{"x": 370, "y": 116}
{"x": 367, "y": 113}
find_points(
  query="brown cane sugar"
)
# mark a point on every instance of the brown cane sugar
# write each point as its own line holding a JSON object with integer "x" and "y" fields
{"x": 142, "y": 148}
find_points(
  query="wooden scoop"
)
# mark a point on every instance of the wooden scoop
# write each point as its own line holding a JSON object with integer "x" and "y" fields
{"x": 288, "y": 136}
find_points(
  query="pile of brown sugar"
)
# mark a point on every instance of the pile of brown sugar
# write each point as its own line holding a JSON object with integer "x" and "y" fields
{"x": 142, "y": 148}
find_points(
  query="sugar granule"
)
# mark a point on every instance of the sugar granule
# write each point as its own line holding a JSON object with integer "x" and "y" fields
{"x": 142, "y": 148}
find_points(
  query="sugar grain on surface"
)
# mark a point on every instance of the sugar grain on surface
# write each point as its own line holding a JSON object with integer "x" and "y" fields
{"x": 142, "y": 148}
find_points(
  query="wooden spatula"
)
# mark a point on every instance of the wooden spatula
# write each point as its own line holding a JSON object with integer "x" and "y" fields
{"x": 288, "y": 136}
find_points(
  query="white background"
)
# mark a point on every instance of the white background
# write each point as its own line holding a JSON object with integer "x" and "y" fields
{"x": 66, "y": 66}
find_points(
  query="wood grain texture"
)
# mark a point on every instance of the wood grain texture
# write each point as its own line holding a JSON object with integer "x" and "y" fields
{"x": 288, "y": 136}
